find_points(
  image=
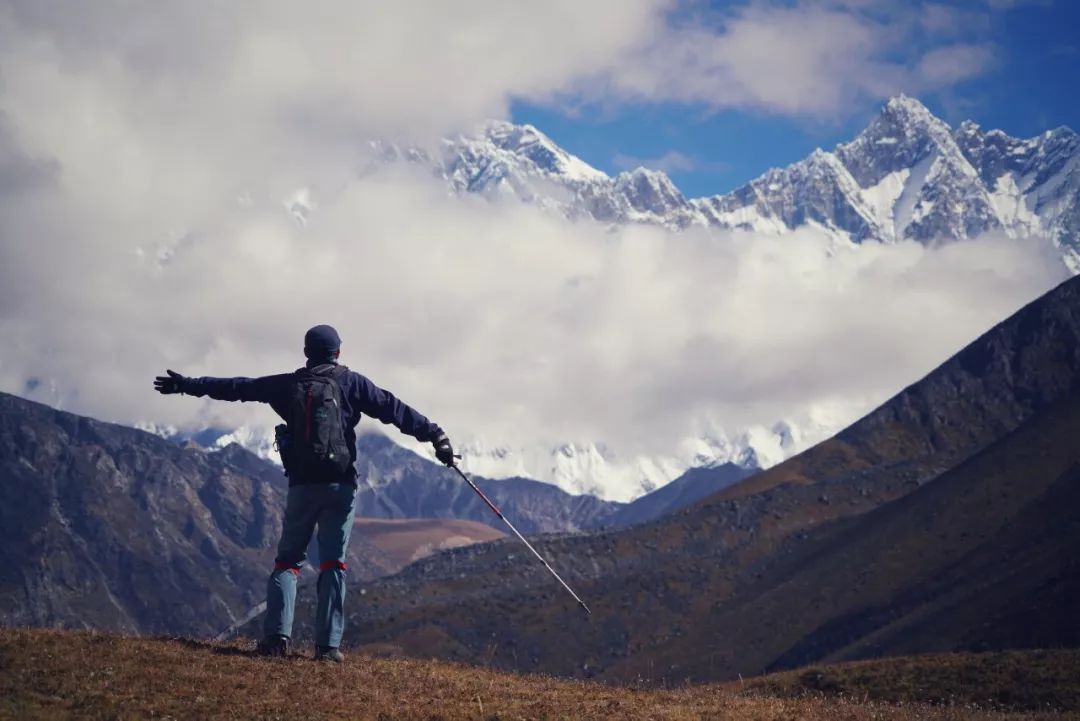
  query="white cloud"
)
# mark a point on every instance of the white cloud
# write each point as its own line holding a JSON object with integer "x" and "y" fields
{"x": 1010, "y": 4}
{"x": 954, "y": 63}
{"x": 802, "y": 58}
{"x": 146, "y": 153}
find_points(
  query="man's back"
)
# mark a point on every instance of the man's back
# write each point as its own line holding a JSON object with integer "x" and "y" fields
{"x": 321, "y": 404}
{"x": 359, "y": 397}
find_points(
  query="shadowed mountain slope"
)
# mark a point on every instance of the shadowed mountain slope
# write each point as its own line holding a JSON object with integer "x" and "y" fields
{"x": 657, "y": 590}
{"x": 113, "y": 528}
{"x": 692, "y": 486}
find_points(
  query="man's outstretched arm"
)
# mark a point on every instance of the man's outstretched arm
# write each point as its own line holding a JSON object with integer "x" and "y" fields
{"x": 386, "y": 407}
{"x": 261, "y": 390}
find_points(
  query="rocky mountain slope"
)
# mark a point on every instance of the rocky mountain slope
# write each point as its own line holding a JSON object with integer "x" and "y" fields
{"x": 110, "y": 527}
{"x": 695, "y": 484}
{"x": 965, "y": 475}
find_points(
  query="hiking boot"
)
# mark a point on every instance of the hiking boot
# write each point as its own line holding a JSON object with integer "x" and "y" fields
{"x": 273, "y": 646}
{"x": 329, "y": 653}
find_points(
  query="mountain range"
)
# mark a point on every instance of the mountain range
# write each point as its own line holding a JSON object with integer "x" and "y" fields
{"x": 907, "y": 176}
{"x": 941, "y": 521}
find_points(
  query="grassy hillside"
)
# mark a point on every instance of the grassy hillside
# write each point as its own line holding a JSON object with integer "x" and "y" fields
{"x": 53, "y": 674}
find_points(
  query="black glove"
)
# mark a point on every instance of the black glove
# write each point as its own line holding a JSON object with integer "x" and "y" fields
{"x": 443, "y": 450}
{"x": 172, "y": 383}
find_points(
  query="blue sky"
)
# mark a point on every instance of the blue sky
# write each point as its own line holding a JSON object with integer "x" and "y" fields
{"x": 1025, "y": 83}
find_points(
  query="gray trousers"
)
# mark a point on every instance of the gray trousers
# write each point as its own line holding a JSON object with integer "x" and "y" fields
{"x": 330, "y": 507}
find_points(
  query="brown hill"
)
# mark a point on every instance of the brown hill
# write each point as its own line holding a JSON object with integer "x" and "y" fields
{"x": 50, "y": 674}
{"x": 679, "y": 598}
{"x": 402, "y": 541}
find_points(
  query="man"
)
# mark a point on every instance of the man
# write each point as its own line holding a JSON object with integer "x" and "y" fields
{"x": 321, "y": 404}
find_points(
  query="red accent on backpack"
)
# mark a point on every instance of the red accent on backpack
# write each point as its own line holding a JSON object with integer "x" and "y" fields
{"x": 307, "y": 417}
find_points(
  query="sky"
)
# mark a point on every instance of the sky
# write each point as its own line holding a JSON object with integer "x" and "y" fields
{"x": 149, "y": 155}
{"x": 1019, "y": 75}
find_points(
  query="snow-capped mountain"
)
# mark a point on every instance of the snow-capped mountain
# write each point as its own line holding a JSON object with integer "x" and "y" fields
{"x": 908, "y": 175}
{"x": 504, "y": 159}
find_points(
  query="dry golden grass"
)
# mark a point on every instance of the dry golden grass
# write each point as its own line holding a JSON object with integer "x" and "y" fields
{"x": 61, "y": 674}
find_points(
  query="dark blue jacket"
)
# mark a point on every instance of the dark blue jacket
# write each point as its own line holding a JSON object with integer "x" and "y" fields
{"x": 359, "y": 397}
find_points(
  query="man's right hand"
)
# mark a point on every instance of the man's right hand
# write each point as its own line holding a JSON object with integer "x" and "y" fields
{"x": 443, "y": 450}
{"x": 171, "y": 383}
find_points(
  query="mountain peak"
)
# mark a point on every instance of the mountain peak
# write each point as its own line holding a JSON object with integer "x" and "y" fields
{"x": 905, "y": 113}
{"x": 907, "y": 105}
{"x": 904, "y": 133}
{"x": 529, "y": 142}
{"x": 643, "y": 174}
{"x": 969, "y": 127}
{"x": 1062, "y": 131}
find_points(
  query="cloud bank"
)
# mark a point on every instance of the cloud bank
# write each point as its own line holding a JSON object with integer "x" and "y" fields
{"x": 149, "y": 159}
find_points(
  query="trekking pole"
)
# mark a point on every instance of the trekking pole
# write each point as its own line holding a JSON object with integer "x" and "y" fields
{"x": 498, "y": 513}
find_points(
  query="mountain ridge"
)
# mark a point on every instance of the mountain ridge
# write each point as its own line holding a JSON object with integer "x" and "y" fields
{"x": 907, "y": 175}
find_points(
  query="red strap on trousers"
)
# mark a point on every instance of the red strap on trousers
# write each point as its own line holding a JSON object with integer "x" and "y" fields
{"x": 331, "y": 565}
{"x": 279, "y": 566}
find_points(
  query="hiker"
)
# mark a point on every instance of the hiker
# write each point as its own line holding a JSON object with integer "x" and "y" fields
{"x": 321, "y": 404}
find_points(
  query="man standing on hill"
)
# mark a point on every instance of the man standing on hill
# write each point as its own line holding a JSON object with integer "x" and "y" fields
{"x": 321, "y": 404}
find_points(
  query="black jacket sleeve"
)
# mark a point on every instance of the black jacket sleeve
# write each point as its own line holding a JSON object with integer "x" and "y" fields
{"x": 267, "y": 389}
{"x": 373, "y": 401}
